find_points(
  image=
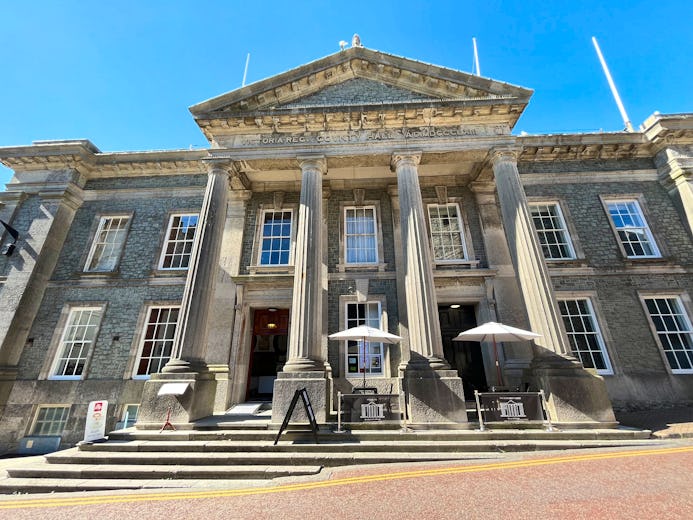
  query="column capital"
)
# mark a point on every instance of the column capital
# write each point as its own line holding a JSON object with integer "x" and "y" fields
{"x": 405, "y": 157}
{"x": 504, "y": 154}
{"x": 314, "y": 162}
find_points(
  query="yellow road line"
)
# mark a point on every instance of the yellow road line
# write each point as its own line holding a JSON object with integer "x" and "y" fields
{"x": 186, "y": 495}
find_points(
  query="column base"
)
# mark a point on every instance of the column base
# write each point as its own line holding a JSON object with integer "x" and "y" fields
{"x": 573, "y": 393}
{"x": 434, "y": 397}
{"x": 222, "y": 387}
{"x": 286, "y": 385}
{"x": 196, "y": 402}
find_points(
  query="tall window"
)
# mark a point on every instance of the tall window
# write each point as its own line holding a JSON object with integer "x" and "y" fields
{"x": 632, "y": 230}
{"x": 157, "y": 340}
{"x": 360, "y": 357}
{"x": 76, "y": 342}
{"x": 584, "y": 335}
{"x": 553, "y": 233}
{"x": 179, "y": 241}
{"x": 674, "y": 332}
{"x": 276, "y": 238}
{"x": 108, "y": 244}
{"x": 50, "y": 420}
{"x": 447, "y": 233}
{"x": 360, "y": 232}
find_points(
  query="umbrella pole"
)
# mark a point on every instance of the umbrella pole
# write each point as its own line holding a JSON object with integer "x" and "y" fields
{"x": 498, "y": 370}
{"x": 364, "y": 363}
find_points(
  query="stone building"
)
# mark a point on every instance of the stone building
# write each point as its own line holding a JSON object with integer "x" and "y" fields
{"x": 359, "y": 188}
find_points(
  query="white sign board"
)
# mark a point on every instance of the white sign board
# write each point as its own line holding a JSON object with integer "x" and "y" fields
{"x": 95, "y": 428}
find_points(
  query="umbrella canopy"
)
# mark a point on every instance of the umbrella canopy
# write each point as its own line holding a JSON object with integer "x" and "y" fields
{"x": 365, "y": 333}
{"x": 493, "y": 331}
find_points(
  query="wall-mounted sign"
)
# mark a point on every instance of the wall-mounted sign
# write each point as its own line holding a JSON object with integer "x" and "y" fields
{"x": 95, "y": 427}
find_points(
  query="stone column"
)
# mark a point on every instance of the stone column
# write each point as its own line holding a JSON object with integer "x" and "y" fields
{"x": 188, "y": 360}
{"x": 223, "y": 305}
{"x": 574, "y": 394}
{"x": 434, "y": 392}
{"x": 503, "y": 294}
{"x": 423, "y": 323}
{"x": 305, "y": 364}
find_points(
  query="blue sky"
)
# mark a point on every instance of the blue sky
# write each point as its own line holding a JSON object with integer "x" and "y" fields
{"x": 124, "y": 73}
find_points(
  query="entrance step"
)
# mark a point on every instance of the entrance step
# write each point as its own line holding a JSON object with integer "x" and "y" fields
{"x": 250, "y": 408}
{"x": 138, "y": 459}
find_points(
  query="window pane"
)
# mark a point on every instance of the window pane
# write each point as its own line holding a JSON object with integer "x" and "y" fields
{"x": 360, "y": 236}
{"x": 108, "y": 244}
{"x": 50, "y": 420}
{"x": 552, "y": 231}
{"x": 447, "y": 234}
{"x": 360, "y": 357}
{"x": 276, "y": 238}
{"x": 179, "y": 243}
{"x": 77, "y": 341}
{"x": 157, "y": 342}
{"x": 632, "y": 230}
{"x": 673, "y": 330}
{"x": 584, "y": 335}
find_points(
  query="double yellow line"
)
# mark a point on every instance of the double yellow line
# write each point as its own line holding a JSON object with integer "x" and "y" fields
{"x": 187, "y": 495}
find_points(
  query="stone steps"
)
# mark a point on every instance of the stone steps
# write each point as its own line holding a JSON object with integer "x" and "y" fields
{"x": 144, "y": 459}
{"x": 147, "y": 471}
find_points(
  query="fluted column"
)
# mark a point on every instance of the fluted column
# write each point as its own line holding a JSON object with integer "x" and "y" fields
{"x": 189, "y": 349}
{"x": 304, "y": 350}
{"x": 422, "y": 306}
{"x": 526, "y": 255}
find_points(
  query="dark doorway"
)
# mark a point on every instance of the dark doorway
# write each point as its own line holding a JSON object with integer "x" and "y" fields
{"x": 463, "y": 356}
{"x": 267, "y": 352}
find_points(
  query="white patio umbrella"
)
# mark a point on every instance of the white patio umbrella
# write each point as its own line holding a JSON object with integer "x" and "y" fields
{"x": 365, "y": 333}
{"x": 492, "y": 331}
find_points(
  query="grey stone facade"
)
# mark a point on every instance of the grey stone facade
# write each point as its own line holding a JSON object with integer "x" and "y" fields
{"x": 370, "y": 127}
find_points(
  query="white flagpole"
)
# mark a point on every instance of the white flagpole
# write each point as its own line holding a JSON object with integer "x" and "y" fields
{"x": 626, "y": 120}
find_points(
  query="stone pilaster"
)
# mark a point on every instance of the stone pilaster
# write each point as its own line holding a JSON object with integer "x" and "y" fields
{"x": 306, "y": 364}
{"x": 434, "y": 392}
{"x": 574, "y": 394}
{"x": 675, "y": 171}
{"x": 32, "y": 265}
{"x": 188, "y": 360}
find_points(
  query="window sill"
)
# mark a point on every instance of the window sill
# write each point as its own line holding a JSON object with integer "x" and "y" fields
{"x": 455, "y": 264}
{"x": 270, "y": 269}
{"x": 566, "y": 262}
{"x": 380, "y": 267}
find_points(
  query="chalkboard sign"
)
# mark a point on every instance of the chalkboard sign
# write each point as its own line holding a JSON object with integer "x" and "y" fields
{"x": 303, "y": 395}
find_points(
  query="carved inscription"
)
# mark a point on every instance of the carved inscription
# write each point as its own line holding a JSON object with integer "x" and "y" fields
{"x": 364, "y": 136}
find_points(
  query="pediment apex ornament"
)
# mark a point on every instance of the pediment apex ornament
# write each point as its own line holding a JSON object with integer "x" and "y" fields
{"x": 401, "y": 158}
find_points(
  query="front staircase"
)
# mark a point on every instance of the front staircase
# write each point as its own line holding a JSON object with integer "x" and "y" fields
{"x": 221, "y": 449}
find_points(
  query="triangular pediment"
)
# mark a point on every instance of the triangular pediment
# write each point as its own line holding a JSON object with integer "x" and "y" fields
{"x": 359, "y": 77}
{"x": 356, "y": 92}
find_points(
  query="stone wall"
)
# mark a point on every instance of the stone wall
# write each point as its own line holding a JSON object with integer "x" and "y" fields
{"x": 641, "y": 377}
{"x": 124, "y": 294}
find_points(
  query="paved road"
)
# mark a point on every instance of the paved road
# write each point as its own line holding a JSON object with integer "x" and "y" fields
{"x": 651, "y": 484}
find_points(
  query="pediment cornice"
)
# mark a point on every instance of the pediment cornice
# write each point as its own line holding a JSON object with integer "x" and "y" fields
{"x": 276, "y": 101}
